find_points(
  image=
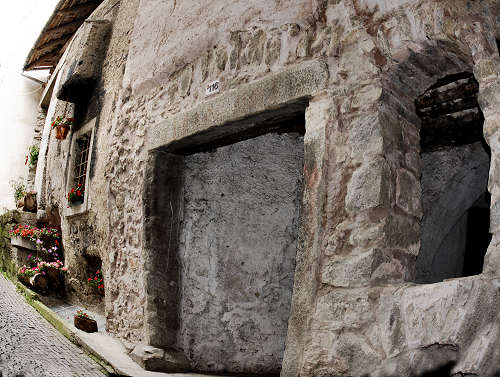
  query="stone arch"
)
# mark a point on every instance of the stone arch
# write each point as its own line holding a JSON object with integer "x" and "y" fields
{"x": 423, "y": 66}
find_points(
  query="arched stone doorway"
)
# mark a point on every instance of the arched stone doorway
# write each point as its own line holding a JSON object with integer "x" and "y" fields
{"x": 455, "y": 165}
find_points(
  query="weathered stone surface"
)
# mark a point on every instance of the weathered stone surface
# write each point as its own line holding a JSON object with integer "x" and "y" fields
{"x": 156, "y": 359}
{"x": 369, "y": 187}
{"x": 237, "y": 248}
{"x": 82, "y": 73}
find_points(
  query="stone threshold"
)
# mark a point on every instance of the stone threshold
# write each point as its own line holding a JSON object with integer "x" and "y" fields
{"x": 108, "y": 351}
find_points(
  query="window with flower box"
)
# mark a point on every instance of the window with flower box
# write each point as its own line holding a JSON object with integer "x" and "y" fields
{"x": 77, "y": 180}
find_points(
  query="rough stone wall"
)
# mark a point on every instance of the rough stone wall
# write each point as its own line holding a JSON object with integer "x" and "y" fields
{"x": 94, "y": 233}
{"x": 380, "y": 56}
{"x": 362, "y": 169}
{"x": 7, "y": 222}
{"x": 237, "y": 252}
{"x": 166, "y": 95}
{"x": 37, "y": 138}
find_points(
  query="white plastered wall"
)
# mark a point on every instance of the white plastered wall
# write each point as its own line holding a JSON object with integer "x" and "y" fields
{"x": 20, "y": 24}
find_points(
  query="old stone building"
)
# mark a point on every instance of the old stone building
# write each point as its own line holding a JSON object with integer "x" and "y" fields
{"x": 304, "y": 187}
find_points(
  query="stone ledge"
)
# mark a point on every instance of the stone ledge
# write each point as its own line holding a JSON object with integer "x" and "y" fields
{"x": 24, "y": 243}
{"x": 210, "y": 117}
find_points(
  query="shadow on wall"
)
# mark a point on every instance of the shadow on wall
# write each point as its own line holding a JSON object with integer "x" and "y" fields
{"x": 445, "y": 371}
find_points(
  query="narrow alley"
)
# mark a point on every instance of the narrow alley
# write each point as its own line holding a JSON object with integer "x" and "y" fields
{"x": 31, "y": 347}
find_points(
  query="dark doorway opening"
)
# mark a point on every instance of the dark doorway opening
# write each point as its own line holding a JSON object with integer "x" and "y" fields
{"x": 455, "y": 164}
{"x": 478, "y": 236}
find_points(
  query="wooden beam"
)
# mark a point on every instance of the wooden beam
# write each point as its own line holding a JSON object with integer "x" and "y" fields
{"x": 79, "y": 10}
{"x": 47, "y": 60}
{"x": 449, "y": 107}
{"x": 437, "y": 96}
{"x": 52, "y": 45}
{"x": 447, "y": 131}
{"x": 64, "y": 29}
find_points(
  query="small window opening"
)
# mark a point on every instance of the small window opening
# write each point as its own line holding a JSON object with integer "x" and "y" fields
{"x": 498, "y": 46}
{"x": 83, "y": 146}
{"x": 93, "y": 264}
{"x": 455, "y": 164}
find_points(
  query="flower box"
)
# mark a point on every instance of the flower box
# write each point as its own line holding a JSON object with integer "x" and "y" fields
{"x": 23, "y": 242}
{"x": 85, "y": 324}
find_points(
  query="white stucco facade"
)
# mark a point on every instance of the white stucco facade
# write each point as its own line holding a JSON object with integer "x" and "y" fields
{"x": 19, "y": 96}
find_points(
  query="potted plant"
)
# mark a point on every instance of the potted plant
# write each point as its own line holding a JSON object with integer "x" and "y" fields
{"x": 24, "y": 274}
{"x": 76, "y": 195}
{"x": 97, "y": 282}
{"x": 19, "y": 191}
{"x": 62, "y": 126}
{"x": 84, "y": 322}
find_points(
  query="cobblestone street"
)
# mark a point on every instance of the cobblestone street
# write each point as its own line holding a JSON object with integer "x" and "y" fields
{"x": 31, "y": 347}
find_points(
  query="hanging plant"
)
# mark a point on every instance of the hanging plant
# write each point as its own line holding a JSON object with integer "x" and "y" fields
{"x": 62, "y": 126}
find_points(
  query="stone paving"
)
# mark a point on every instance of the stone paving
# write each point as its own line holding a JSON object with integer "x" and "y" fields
{"x": 31, "y": 347}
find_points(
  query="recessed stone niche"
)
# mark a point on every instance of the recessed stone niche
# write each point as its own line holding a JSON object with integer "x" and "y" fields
{"x": 237, "y": 251}
{"x": 226, "y": 251}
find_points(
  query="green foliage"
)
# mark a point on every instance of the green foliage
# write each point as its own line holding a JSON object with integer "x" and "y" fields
{"x": 7, "y": 220}
{"x": 19, "y": 189}
{"x": 32, "y": 156}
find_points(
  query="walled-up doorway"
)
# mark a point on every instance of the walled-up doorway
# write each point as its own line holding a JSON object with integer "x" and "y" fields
{"x": 455, "y": 164}
{"x": 228, "y": 210}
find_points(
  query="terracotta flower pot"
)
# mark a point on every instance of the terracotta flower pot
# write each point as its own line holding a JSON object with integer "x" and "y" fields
{"x": 85, "y": 324}
{"x": 61, "y": 132}
{"x": 30, "y": 202}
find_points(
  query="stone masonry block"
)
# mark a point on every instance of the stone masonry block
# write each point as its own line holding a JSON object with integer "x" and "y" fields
{"x": 83, "y": 64}
{"x": 374, "y": 266}
{"x": 409, "y": 193}
{"x": 369, "y": 187}
{"x": 489, "y": 96}
{"x": 487, "y": 69}
{"x": 210, "y": 118}
{"x": 365, "y": 137}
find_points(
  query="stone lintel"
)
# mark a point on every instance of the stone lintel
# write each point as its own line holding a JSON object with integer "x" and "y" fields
{"x": 206, "y": 122}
